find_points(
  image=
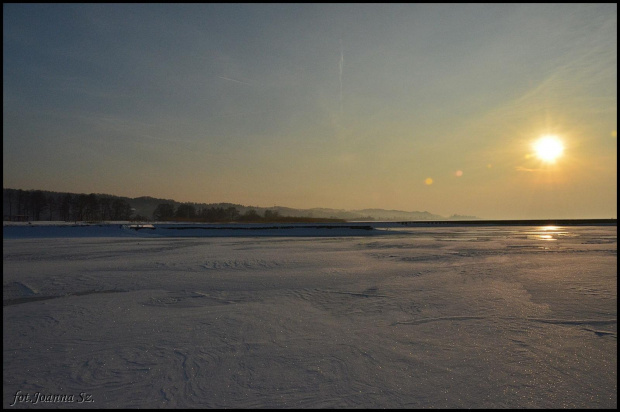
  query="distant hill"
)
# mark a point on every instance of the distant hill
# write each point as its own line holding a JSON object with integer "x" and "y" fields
{"x": 145, "y": 206}
{"x": 381, "y": 214}
{"x": 462, "y": 217}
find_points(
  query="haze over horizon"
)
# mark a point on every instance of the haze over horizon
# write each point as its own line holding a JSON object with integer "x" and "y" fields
{"x": 413, "y": 107}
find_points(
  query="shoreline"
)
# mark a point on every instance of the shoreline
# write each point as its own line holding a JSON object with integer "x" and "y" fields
{"x": 481, "y": 222}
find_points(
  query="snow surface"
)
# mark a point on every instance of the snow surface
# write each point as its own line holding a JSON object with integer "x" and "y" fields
{"x": 309, "y": 317}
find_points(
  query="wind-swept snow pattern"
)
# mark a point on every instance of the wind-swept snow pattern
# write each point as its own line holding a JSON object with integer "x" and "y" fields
{"x": 111, "y": 316}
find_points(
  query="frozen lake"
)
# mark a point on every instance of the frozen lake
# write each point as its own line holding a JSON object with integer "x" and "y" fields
{"x": 310, "y": 317}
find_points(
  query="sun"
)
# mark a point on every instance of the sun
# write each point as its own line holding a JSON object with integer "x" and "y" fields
{"x": 548, "y": 148}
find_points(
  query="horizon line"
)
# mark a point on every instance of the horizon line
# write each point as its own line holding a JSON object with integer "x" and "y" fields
{"x": 477, "y": 219}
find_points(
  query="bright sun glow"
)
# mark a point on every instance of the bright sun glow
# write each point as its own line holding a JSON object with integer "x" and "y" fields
{"x": 548, "y": 148}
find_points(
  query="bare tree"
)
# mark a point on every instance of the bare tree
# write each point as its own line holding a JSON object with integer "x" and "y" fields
{"x": 51, "y": 206}
{"x": 163, "y": 211}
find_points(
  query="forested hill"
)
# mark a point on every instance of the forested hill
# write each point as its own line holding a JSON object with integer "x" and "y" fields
{"x": 46, "y": 205}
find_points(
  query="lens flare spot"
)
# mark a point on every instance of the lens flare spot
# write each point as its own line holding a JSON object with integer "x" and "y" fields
{"x": 459, "y": 173}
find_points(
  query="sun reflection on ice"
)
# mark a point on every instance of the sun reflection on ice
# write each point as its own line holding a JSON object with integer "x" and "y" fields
{"x": 549, "y": 233}
{"x": 545, "y": 237}
{"x": 548, "y": 228}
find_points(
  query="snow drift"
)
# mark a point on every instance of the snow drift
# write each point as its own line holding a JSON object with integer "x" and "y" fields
{"x": 477, "y": 317}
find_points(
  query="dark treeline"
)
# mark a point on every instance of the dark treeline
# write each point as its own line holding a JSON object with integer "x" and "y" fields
{"x": 27, "y": 205}
{"x": 188, "y": 212}
{"x": 36, "y": 205}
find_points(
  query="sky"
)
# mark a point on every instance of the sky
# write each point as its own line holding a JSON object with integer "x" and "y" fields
{"x": 415, "y": 107}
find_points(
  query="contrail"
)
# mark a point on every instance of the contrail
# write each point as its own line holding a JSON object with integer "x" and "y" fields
{"x": 341, "y": 66}
{"x": 233, "y": 80}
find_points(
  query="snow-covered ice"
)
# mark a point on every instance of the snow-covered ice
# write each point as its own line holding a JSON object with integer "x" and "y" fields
{"x": 310, "y": 317}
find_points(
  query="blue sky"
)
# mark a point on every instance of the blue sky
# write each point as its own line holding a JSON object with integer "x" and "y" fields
{"x": 316, "y": 105}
